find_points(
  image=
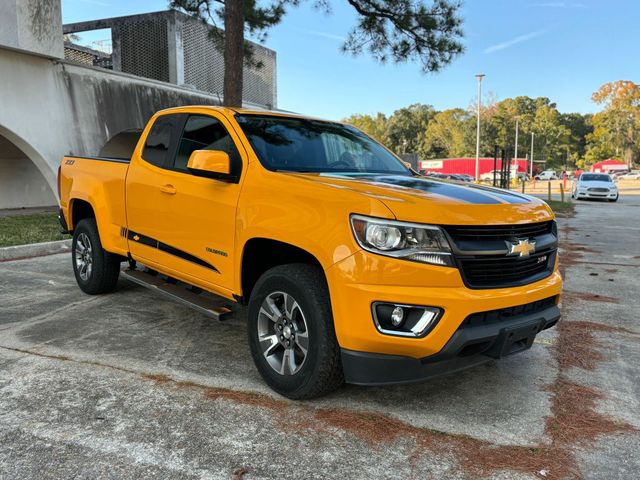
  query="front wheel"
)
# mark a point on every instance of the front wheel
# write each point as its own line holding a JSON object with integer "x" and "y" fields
{"x": 291, "y": 333}
{"x": 96, "y": 270}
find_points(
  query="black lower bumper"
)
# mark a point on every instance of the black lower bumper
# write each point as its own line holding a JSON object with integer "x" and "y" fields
{"x": 468, "y": 347}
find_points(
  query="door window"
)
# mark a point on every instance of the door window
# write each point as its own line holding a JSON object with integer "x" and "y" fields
{"x": 161, "y": 139}
{"x": 202, "y": 132}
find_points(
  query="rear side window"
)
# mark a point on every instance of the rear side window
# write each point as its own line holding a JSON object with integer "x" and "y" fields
{"x": 205, "y": 133}
{"x": 159, "y": 141}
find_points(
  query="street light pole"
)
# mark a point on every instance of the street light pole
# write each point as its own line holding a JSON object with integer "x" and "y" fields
{"x": 531, "y": 166}
{"x": 515, "y": 153}
{"x": 479, "y": 76}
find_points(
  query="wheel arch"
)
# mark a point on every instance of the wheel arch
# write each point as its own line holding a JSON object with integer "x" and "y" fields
{"x": 262, "y": 254}
{"x": 79, "y": 209}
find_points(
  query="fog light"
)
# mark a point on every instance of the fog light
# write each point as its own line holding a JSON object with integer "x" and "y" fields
{"x": 405, "y": 320}
{"x": 397, "y": 316}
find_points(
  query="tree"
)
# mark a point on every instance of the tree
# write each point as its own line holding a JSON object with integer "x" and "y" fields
{"x": 451, "y": 133}
{"x": 406, "y": 127}
{"x": 428, "y": 31}
{"x": 552, "y": 138}
{"x": 376, "y": 127}
{"x": 617, "y": 126}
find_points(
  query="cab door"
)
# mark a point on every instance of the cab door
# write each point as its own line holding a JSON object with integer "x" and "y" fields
{"x": 147, "y": 190}
{"x": 199, "y": 214}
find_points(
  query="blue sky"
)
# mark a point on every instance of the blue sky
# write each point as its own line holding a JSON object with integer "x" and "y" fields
{"x": 560, "y": 49}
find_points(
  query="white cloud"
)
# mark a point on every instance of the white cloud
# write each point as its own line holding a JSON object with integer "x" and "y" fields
{"x": 519, "y": 39}
{"x": 317, "y": 33}
{"x": 559, "y": 5}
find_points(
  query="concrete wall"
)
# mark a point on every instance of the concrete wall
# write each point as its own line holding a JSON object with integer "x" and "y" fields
{"x": 32, "y": 25}
{"x": 51, "y": 108}
{"x": 21, "y": 184}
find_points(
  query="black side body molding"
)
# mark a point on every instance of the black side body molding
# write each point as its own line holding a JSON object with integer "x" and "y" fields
{"x": 152, "y": 242}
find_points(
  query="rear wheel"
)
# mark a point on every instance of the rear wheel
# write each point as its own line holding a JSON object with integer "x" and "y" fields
{"x": 291, "y": 332}
{"x": 96, "y": 270}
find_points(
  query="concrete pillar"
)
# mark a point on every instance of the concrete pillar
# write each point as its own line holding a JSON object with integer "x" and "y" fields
{"x": 175, "y": 50}
{"x": 33, "y": 26}
{"x": 116, "y": 49}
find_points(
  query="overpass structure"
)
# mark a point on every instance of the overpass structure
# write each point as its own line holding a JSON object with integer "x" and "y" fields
{"x": 51, "y": 106}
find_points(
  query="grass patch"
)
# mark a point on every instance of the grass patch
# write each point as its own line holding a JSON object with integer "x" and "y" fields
{"x": 36, "y": 228}
{"x": 561, "y": 207}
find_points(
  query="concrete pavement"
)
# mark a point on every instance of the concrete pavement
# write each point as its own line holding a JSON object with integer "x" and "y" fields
{"x": 129, "y": 385}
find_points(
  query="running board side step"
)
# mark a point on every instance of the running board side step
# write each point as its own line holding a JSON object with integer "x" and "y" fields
{"x": 204, "y": 302}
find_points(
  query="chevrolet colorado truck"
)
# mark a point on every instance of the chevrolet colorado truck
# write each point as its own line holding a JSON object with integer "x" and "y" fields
{"x": 352, "y": 266}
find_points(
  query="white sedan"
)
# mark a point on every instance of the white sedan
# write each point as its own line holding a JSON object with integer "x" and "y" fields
{"x": 595, "y": 185}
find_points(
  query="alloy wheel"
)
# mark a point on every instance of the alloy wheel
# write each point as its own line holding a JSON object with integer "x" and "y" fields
{"x": 84, "y": 256}
{"x": 282, "y": 333}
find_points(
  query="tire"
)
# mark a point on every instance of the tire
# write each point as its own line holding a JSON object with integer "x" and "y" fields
{"x": 96, "y": 270}
{"x": 308, "y": 314}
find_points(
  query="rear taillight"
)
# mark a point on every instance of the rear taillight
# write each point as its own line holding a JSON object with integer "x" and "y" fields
{"x": 59, "y": 170}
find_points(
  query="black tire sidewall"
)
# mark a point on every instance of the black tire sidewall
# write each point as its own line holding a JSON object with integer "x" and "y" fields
{"x": 316, "y": 308}
{"x": 96, "y": 281}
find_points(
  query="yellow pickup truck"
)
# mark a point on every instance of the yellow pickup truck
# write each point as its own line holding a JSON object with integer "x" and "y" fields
{"x": 354, "y": 268}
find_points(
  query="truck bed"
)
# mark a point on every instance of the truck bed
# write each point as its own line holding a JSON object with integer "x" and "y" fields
{"x": 99, "y": 181}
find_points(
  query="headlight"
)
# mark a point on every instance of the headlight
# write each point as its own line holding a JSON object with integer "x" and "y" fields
{"x": 409, "y": 241}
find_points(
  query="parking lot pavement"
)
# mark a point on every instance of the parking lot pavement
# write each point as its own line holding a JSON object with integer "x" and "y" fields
{"x": 129, "y": 385}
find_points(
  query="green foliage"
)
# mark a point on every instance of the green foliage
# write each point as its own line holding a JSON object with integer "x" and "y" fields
{"x": 560, "y": 139}
{"x": 375, "y": 126}
{"x": 451, "y": 133}
{"x": 616, "y": 129}
{"x": 401, "y": 30}
{"x": 402, "y": 132}
{"x": 23, "y": 229}
{"x": 258, "y": 19}
{"x": 407, "y": 125}
{"x": 427, "y": 31}
{"x": 566, "y": 208}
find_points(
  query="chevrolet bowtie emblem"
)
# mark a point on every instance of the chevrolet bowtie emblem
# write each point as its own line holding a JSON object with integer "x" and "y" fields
{"x": 522, "y": 248}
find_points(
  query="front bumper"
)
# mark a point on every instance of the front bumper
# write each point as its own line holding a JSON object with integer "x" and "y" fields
{"x": 358, "y": 281}
{"x": 468, "y": 347}
{"x": 598, "y": 195}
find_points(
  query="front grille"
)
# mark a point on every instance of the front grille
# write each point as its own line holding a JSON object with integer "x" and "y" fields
{"x": 498, "y": 232}
{"x": 481, "y": 265}
{"x": 598, "y": 189}
{"x": 502, "y": 271}
{"x": 496, "y": 316}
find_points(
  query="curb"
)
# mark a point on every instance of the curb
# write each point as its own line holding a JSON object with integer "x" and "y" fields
{"x": 17, "y": 252}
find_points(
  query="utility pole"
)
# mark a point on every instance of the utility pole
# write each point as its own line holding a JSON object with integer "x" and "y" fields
{"x": 515, "y": 153}
{"x": 479, "y": 76}
{"x": 531, "y": 166}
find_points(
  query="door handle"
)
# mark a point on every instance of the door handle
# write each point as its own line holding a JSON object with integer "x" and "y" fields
{"x": 168, "y": 189}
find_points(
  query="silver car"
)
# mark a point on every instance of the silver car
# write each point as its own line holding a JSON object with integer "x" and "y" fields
{"x": 595, "y": 185}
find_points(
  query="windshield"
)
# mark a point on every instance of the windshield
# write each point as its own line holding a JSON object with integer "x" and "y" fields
{"x": 302, "y": 145}
{"x": 590, "y": 177}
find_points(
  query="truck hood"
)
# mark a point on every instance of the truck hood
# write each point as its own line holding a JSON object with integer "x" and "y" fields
{"x": 425, "y": 200}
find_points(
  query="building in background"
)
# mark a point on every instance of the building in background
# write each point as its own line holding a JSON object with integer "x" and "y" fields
{"x": 609, "y": 165}
{"x": 467, "y": 166}
{"x": 59, "y": 98}
{"x": 173, "y": 47}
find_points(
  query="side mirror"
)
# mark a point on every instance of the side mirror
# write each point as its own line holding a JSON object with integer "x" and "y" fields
{"x": 211, "y": 164}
